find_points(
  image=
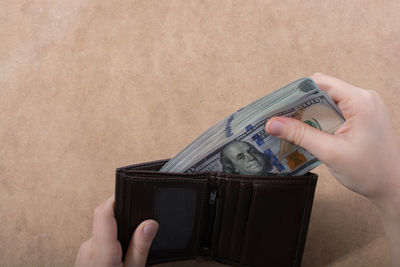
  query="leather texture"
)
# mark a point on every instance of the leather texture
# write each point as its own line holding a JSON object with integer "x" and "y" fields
{"x": 234, "y": 219}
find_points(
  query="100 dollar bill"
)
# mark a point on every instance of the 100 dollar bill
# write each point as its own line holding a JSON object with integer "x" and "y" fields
{"x": 239, "y": 144}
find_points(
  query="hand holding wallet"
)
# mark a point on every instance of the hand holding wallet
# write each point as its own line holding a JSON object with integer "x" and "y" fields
{"x": 234, "y": 219}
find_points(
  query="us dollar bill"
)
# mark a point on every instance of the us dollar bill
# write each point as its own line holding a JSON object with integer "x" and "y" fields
{"x": 239, "y": 143}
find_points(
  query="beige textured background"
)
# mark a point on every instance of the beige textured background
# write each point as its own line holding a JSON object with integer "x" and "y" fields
{"x": 87, "y": 86}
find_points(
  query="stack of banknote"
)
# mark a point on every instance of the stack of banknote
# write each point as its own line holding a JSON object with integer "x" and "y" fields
{"x": 239, "y": 143}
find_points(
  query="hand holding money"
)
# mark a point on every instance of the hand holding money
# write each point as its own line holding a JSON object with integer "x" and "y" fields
{"x": 239, "y": 143}
{"x": 363, "y": 153}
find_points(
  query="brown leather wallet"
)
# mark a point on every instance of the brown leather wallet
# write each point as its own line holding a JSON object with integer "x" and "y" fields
{"x": 234, "y": 219}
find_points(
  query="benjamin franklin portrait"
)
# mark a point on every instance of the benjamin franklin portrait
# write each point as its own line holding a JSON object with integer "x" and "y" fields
{"x": 243, "y": 158}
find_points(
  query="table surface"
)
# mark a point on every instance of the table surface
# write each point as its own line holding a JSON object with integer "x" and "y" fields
{"x": 88, "y": 86}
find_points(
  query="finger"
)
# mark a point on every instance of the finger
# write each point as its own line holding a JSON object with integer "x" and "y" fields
{"x": 139, "y": 246}
{"x": 337, "y": 89}
{"x": 319, "y": 143}
{"x": 104, "y": 224}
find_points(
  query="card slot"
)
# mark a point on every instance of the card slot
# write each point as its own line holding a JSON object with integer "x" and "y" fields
{"x": 174, "y": 208}
{"x": 231, "y": 191}
{"x": 244, "y": 195}
{"x": 273, "y": 229}
{"x": 178, "y": 207}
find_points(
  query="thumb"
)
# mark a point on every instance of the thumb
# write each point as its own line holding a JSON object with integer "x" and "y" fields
{"x": 139, "y": 246}
{"x": 319, "y": 143}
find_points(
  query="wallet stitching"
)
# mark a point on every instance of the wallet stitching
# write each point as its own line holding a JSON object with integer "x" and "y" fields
{"x": 158, "y": 174}
{"x": 169, "y": 180}
{"x": 196, "y": 178}
{"x": 263, "y": 180}
{"x": 148, "y": 165}
{"x": 141, "y": 176}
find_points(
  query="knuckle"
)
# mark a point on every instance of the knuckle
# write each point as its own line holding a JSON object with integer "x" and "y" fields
{"x": 317, "y": 74}
{"x": 373, "y": 95}
{"x": 85, "y": 245}
{"x": 298, "y": 134}
{"x": 98, "y": 212}
{"x": 372, "y": 101}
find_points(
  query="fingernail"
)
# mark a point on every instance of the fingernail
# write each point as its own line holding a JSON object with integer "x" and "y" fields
{"x": 150, "y": 229}
{"x": 275, "y": 127}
